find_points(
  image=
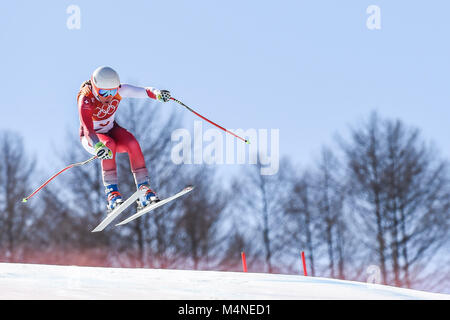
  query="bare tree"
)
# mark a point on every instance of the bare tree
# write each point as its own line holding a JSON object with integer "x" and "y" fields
{"x": 365, "y": 156}
{"x": 198, "y": 223}
{"x": 418, "y": 193}
{"x": 399, "y": 189}
{"x": 329, "y": 194}
{"x": 300, "y": 208}
{"x": 15, "y": 218}
{"x": 260, "y": 210}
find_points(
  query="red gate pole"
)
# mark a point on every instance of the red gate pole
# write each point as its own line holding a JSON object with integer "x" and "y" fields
{"x": 304, "y": 264}
{"x": 244, "y": 263}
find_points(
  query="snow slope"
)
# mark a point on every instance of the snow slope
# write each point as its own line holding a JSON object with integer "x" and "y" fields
{"x": 33, "y": 281}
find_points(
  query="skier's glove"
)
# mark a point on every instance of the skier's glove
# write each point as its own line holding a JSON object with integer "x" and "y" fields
{"x": 102, "y": 151}
{"x": 163, "y": 95}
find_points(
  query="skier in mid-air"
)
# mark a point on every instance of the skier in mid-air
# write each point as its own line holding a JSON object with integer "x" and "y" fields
{"x": 98, "y": 100}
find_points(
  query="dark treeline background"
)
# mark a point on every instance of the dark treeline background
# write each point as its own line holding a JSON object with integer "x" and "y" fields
{"x": 375, "y": 205}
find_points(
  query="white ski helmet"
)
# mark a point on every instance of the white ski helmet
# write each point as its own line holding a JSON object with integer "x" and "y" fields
{"x": 105, "y": 83}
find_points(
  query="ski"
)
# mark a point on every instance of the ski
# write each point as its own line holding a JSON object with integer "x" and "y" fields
{"x": 113, "y": 214}
{"x": 155, "y": 205}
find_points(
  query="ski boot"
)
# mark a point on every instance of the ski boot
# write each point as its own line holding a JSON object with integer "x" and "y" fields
{"x": 149, "y": 197}
{"x": 114, "y": 197}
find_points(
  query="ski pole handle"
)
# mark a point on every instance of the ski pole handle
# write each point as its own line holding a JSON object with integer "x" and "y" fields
{"x": 57, "y": 174}
{"x": 215, "y": 124}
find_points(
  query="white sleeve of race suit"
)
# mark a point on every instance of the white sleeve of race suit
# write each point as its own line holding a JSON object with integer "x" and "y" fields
{"x": 130, "y": 91}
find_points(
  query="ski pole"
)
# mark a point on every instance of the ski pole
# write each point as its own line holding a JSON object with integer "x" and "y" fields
{"x": 57, "y": 174}
{"x": 215, "y": 124}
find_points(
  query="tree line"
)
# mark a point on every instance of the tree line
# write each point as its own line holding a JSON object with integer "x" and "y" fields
{"x": 379, "y": 198}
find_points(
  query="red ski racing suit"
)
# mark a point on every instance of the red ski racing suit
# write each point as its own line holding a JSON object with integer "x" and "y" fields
{"x": 97, "y": 124}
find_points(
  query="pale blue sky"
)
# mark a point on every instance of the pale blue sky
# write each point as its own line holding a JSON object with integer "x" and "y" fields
{"x": 308, "y": 68}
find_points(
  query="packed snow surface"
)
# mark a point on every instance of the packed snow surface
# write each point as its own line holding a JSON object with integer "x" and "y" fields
{"x": 34, "y": 281}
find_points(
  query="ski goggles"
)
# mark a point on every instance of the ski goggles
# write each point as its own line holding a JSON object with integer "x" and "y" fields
{"x": 107, "y": 92}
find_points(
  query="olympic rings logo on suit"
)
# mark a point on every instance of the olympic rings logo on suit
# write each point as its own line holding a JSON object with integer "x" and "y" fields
{"x": 110, "y": 109}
